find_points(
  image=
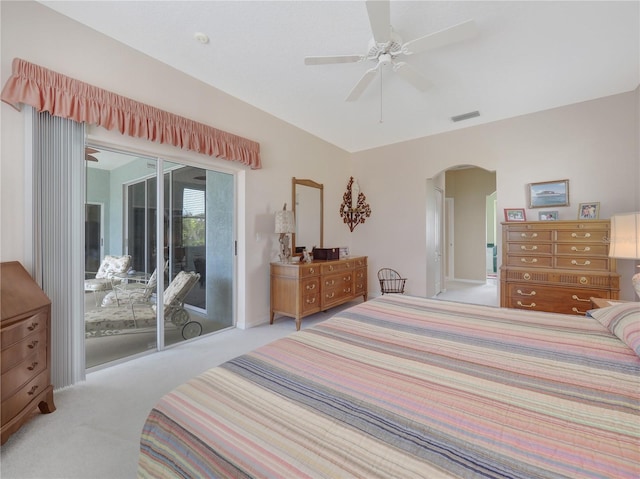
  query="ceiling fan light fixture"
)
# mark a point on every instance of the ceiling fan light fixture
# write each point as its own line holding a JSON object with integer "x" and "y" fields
{"x": 465, "y": 116}
{"x": 384, "y": 59}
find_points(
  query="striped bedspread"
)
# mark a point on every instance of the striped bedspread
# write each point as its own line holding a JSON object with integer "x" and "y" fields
{"x": 405, "y": 387}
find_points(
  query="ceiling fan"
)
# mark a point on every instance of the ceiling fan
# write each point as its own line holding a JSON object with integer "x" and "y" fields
{"x": 386, "y": 47}
{"x": 88, "y": 154}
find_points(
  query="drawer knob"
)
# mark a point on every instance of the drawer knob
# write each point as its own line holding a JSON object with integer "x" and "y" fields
{"x": 525, "y": 248}
{"x": 586, "y": 263}
{"x": 32, "y": 345}
{"x": 576, "y": 310}
{"x": 329, "y": 296}
{"x": 532, "y": 293}
{"x": 532, "y": 305}
{"x": 576, "y": 235}
{"x": 577, "y": 298}
{"x": 32, "y": 326}
{"x": 347, "y": 265}
{"x": 311, "y": 270}
{"x": 532, "y": 235}
{"x": 32, "y": 391}
{"x": 330, "y": 268}
{"x": 311, "y": 287}
{"x": 527, "y": 260}
{"x": 33, "y": 366}
{"x": 311, "y": 300}
{"x": 346, "y": 290}
{"x": 583, "y": 280}
{"x": 526, "y": 276}
{"x": 583, "y": 250}
{"x": 330, "y": 282}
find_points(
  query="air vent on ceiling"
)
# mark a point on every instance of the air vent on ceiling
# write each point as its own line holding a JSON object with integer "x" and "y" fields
{"x": 465, "y": 116}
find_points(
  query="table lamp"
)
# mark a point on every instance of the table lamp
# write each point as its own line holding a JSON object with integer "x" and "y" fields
{"x": 625, "y": 240}
{"x": 285, "y": 224}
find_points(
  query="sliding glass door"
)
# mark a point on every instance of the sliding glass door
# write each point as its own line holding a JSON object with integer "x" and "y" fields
{"x": 195, "y": 243}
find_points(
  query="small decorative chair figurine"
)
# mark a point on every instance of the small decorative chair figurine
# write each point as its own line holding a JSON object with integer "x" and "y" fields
{"x": 391, "y": 281}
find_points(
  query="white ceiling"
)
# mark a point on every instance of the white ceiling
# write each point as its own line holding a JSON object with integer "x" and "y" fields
{"x": 527, "y": 57}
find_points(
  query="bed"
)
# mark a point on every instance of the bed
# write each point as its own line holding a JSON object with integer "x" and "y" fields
{"x": 406, "y": 387}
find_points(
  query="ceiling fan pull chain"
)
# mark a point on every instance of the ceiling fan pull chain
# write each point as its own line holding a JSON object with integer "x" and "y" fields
{"x": 381, "y": 68}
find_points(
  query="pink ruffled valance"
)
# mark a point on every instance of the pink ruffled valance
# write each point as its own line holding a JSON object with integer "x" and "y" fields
{"x": 66, "y": 97}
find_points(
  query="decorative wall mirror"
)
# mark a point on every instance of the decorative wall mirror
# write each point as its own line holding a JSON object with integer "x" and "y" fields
{"x": 307, "y": 200}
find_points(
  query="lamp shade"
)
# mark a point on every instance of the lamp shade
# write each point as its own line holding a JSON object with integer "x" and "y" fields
{"x": 625, "y": 236}
{"x": 285, "y": 222}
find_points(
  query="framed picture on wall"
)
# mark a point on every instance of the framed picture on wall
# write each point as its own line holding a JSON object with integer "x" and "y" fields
{"x": 588, "y": 211}
{"x": 514, "y": 214}
{"x": 549, "y": 193}
{"x": 547, "y": 215}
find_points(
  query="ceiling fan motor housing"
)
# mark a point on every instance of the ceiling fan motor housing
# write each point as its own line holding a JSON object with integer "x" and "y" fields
{"x": 391, "y": 48}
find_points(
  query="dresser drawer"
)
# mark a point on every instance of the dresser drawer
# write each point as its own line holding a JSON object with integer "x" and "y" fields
{"x": 337, "y": 281}
{"x": 524, "y": 248}
{"x": 23, "y": 349}
{"x": 359, "y": 262}
{"x": 310, "y": 303}
{"x": 24, "y": 328}
{"x": 530, "y": 261}
{"x": 552, "y": 298}
{"x": 525, "y": 234}
{"x": 311, "y": 285}
{"x": 25, "y": 395}
{"x": 360, "y": 281}
{"x": 336, "y": 288}
{"x": 330, "y": 268}
{"x": 583, "y": 236}
{"x": 334, "y": 297}
{"x": 16, "y": 377}
{"x": 582, "y": 249}
{"x": 582, "y": 263}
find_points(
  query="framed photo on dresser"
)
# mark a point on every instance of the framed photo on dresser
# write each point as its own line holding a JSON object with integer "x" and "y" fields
{"x": 588, "y": 211}
{"x": 547, "y": 215}
{"x": 514, "y": 214}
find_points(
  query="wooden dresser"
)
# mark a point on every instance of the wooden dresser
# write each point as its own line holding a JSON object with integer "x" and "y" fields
{"x": 25, "y": 334}
{"x": 556, "y": 266}
{"x": 301, "y": 289}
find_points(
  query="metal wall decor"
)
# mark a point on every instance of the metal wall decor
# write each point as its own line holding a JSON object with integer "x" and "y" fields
{"x": 354, "y": 208}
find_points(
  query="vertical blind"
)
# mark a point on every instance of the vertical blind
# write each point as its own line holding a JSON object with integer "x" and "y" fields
{"x": 58, "y": 235}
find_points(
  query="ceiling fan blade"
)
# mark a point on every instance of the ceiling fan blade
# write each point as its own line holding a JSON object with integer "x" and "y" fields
{"x": 453, "y": 34}
{"x": 362, "y": 84}
{"x": 411, "y": 75}
{"x": 380, "y": 20}
{"x": 334, "y": 59}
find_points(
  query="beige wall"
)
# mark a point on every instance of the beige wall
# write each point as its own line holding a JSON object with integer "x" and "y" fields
{"x": 594, "y": 144}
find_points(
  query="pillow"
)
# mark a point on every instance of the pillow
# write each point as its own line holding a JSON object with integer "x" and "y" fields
{"x": 623, "y": 320}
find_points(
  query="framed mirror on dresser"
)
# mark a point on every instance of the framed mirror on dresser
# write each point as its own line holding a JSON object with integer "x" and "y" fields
{"x": 307, "y": 198}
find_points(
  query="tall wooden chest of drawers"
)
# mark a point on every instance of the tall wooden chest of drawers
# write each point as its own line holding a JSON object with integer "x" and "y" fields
{"x": 556, "y": 266}
{"x": 301, "y": 289}
{"x": 25, "y": 334}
